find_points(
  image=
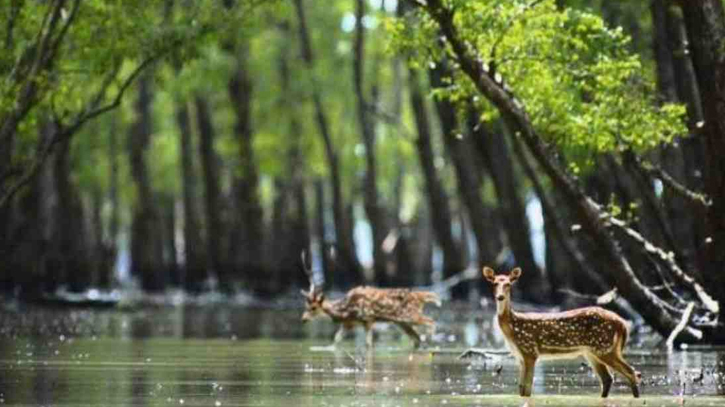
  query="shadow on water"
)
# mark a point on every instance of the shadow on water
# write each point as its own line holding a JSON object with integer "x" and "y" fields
{"x": 229, "y": 356}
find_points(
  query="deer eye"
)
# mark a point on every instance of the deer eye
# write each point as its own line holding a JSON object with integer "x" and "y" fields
{"x": 507, "y": 285}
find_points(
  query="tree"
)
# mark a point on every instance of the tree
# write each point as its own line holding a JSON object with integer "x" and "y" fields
{"x": 346, "y": 258}
{"x": 529, "y": 117}
{"x": 216, "y": 256}
{"x": 146, "y": 244}
{"x": 442, "y": 218}
{"x": 373, "y": 207}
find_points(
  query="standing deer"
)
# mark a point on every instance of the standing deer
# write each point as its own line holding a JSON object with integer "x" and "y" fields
{"x": 368, "y": 305}
{"x": 592, "y": 332}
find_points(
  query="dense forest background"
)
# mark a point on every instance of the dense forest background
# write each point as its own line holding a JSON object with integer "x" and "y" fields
{"x": 204, "y": 145}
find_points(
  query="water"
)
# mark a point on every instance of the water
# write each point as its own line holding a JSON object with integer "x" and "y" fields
{"x": 230, "y": 356}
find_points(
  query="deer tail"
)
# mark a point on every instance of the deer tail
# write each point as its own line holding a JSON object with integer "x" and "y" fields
{"x": 427, "y": 296}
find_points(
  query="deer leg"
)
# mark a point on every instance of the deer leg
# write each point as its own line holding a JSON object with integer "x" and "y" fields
{"x": 369, "y": 334}
{"x": 339, "y": 335}
{"x": 617, "y": 363}
{"x": 529, "y": 364}
{"x": 605, "y": 377}
{"x": 412, "y": 333}
{"x": 522, "y": 377}
{"x": 526, "y": 376}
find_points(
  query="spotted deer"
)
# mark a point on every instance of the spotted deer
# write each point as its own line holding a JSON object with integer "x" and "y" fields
{"x": 592, "y": 332}
{"x": 367, "y": 305}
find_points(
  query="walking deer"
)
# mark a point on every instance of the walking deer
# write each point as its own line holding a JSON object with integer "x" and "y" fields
{"x": 367, "y": 305}
{"x": 592, "y": 332}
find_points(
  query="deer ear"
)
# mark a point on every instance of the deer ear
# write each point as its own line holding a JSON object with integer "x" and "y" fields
{"x": 304, "y": 293}
{"x": 489, "y": 274}
{"x": 515, "y": 274}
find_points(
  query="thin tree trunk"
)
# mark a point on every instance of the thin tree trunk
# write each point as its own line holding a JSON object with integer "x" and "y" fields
{"x": 322, "y": 232}
{"x": 247, "y": 234}
{"x": 373, "y": 208}
{"x": 146, "y": 245}
{"x": 469, "y": 174}
{"x": 194, "y": 268}
{"x": 442, "y": 219}
{"x": 661, "y": 47}
{"x": 212, "y": 195}
{"x": 113, "y": 198}
{"x": 171, "y": 259}
{"x": 280, "y": 238}
{"x": 495, "y": 152}
{"x": 346, "y": 258}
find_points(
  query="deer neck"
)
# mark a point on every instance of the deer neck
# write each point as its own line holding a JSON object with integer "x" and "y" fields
{"x": 332, "y": 309}
{"x": 504, "y": 312}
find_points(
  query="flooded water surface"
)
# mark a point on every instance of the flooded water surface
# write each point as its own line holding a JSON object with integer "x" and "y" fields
{"x": 231, "y": 356}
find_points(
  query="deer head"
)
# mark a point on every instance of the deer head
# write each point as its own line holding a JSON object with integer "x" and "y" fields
{"x": 314, "y": 297}
{"x": 501, "y": 283}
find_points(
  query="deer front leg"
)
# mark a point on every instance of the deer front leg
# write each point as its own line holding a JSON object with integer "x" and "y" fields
{"x": 411, "y": 332}
{"x": 369, "y": 334}
{"x": 526, "y": 375}
{"x": 339, "y": 335}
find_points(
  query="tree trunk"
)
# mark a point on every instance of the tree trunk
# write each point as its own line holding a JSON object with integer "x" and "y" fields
{"x": 212, "y": 196}
{"x": 661, "y": 47}
{"x": 111, "y": 246}
{"x": 676, "y": 81}
{"x": 279, "y": 239}
{"x": 346, "y": 259}
{"x": 421, "y": 236}
{"x": 146, "y": 245}
{"x": 322, "y": 233}
{"x": 558, "y": 239}
{"x": 468, "y": 172}
{"x": 373, "y": 208}
{"x": 247, "y": 233}
{"x": 495, "y": 152}
{"x": 194, "y": 268}
{"x": 453, "y": 261}
{"x": 25, "y": 253}
{"x": 705, "y": 22}
{"x": 171, "y": 260}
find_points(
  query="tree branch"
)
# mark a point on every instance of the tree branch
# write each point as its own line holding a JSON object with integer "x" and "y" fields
{"x": 700, "y": 200}
{"x": 66, "y": 131}
{"x": 507, "y": 27}
{"x": 669, "y": 260}
{"x": 683, "y": 323}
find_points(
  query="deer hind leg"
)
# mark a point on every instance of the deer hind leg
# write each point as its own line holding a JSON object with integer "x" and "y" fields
{"x": 412, "y": 333}
{"x": 526, "y": 375}
{"x": 605, "y": 376}
{"x": 431, "y": 324}
{"x": 616, "y": 362}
